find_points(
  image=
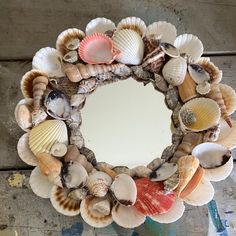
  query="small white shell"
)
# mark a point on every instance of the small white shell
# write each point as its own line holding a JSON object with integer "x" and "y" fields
{"x": 99, "y": 25}
{"x": 165, "y": 171}
{"x": 165, "y": 30}
{"x": 48, "y": 60}
{"x": 71, "y": 57}
{"x": 203, "y": 88}
{"x": 190, "y": 45}
{"x": 40, "y": 184}
{"x": 59, "y": 150}
{"x": 103, "y": 207}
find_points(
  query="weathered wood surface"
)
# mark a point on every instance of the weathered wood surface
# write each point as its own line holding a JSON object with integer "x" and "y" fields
{"x": 28, "y": 25}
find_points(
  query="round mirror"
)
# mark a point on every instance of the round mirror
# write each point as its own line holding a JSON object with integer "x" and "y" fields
{"x": 126, "y": 123}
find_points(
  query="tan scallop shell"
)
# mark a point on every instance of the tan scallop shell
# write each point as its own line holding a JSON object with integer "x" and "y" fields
{"x": 43, "y": 136}
{"x": 207, "y": 113}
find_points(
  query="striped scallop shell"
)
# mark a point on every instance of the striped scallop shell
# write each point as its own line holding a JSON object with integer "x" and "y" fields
{"x": 43, "y": 136}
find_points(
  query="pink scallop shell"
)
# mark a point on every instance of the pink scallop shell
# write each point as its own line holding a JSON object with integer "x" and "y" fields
{"x": 151, "y": 198}
{"x": 97, "y": 48}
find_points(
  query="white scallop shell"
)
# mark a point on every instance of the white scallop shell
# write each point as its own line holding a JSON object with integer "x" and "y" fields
{"x": 48, "y": 60}
{"x": 130, "y": 45}
{"x": 173, "y": 214}
{"x": 99, "y": 25}
{"x": 40, "y": 184}
{"x": 175, "y": 70}
{"x": 165, "y": 30}
{"x": 190, "y": 45}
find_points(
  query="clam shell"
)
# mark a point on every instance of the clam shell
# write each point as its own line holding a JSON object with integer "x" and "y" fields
{"x": 130, "y": 45}
{"x": 48, "y": 60}
{"x": 174, "y": 213}
{"x": 24, "y": 151}
{"x": 207, "y": 113}
{"x": 43, "y": 136}
{"x": 71, "y": 57}
{"x": 163, "y": 172}
{"x": 190, "y": 45}
{"x": 40, "y": 184}
{"x": 216, "y": 159}
{"x": 92, "y": 216}
{"x": 202, "y": 194}
{"x": 133, "y": 23}
{"x": 97, "y": 48}
{"x": 99, "y": 25}
{"x": 151, "y": 198}
{"x": 124, "y": 189}
{"x": 166, "y": 31}
{"x": 127, "y": 217}
{"x": 174, "y": 71}
{"x": 198, "y": 73}
{"x": 63, "y": 202}
{"x": 203, "y": 88}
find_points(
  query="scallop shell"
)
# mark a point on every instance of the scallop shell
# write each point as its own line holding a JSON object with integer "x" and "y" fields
{"x": 43, "y": 136}
{"x": 207, "y": 113}
{"x": 166, "y": 31}
{"x": 124, "y": 189}
{"x": 190, "y": 45}
{"x": 130, "y": 45}
{"x": 23, "y": 113}
{"x": 40, "y": 184}
{"x": 174, "y": 213}
{"x": 99, "y": 25}
{"x": 151, "y": 198}
{"x": 127, "y": 217}
{"x": 203, "y": 88}
{"x": 133, "y": 23}
{"x": 163, "y": 172}
{"x": 97, "y": 48}
{"x": 202, "y": 194}
{"x": 24, "y": 151}
{"x": 48, "y": 60}
{"x": 216, "y": 159}
{"x": 63, "y": 202}
{"x": 198, "y": 73}
{"x": 71, "y": 57}
{"x": 69, "y": 39}
{"x": 92, "y": 216}
{"x": 174, "y": 71}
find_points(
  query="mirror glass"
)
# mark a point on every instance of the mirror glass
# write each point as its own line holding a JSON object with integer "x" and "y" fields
{"x": 126, "y": 123}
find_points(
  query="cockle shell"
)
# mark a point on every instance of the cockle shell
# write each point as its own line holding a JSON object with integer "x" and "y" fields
{"x": 207, "y": 113}
{"x": 203, "y": 88}
{"x": 133, "y": 23}
{"x": 97, "y": 48}
{"x": 151, "y": 199}
{"x": 98, "y": 183}
{"x": 71, "y": 57}
{"x": 68, "y": 40}
{"x": 99, "y": 25}
{"x": 124, "y": 189}
{"x": 175, "y": 70}
{"x": 43, "y": 136}
{"x": 174, "y": 213}
{"x": 92, "y": 216}
{"x": 198, "y": 73}
{"x": 216, "y": 159}
{"x": 187, "y": 167}
{"x": 24, "y": 151}
{"x": 190, "y": 45}
{"x": 48, "y": 60}
{"x": 163, "y": 172}
{"x": 166, "y": 31}
{"x": 130, "y": 45}
{"x": 40, "y": 184}
{"x": 127, "y": 217}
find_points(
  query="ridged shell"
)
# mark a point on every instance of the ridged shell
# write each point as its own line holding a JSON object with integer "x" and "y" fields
{"x": 40, "y": 184}
{"x": 174, "y": 71}
{"x": 133, "y": 23}
{"x": 190, "y": 45}
{"x": 166, "y": 31}
{"x": 24, "y": 151}
{"x": 130, "y": 45}
{"x": 93, "y": 217}
{"x": 207, "y": 113}
{"x": 99, "y": 25}
{"x": 43, "y": 136}
{"x": 49, "y": 61}
{"x": 127, "y": 217}
{"x": 174, "y": 213}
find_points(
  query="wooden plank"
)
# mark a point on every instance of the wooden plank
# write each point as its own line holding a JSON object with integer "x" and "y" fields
{"x": 26, "y": 26}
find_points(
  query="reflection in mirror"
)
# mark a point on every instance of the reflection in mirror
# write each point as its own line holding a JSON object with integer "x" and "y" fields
{"x": 125, "y": 123}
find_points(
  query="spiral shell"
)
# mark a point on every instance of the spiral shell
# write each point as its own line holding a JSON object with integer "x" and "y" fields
{"x": 188, "y": 117}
